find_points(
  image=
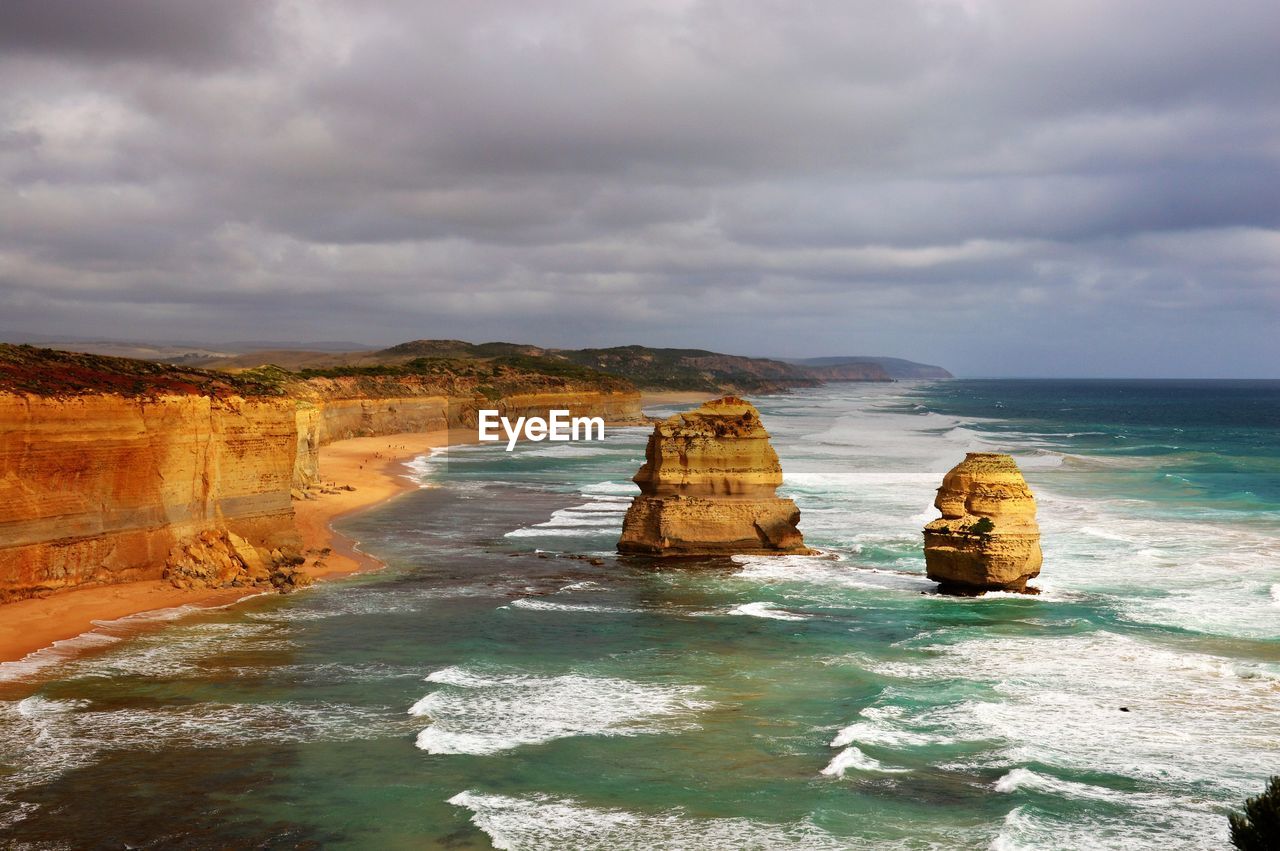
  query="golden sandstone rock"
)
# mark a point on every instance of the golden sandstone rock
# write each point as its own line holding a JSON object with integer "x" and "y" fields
{"x": 707, "y": 488}
{"x": 987, "y": 538}
{"x": 101, "y": 487}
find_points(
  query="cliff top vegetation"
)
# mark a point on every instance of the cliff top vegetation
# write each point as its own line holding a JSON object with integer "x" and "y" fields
{"x": 49, "y": 372}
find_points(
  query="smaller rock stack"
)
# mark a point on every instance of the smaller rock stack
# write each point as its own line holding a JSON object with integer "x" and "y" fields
{"x": 707, "y": 488}
{"x": 987, "y": 538}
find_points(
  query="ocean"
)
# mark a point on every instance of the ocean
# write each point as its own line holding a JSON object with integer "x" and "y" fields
{"x": 509, "y": 681}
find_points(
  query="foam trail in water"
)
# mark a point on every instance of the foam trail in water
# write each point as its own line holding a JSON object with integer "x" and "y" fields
{"x": 484, "y": 713}
{"x": 851, "y": 758}
{"x": 766, "y": 610}
{"x": 540, "y": 605}
{"x": 545, "y": 823}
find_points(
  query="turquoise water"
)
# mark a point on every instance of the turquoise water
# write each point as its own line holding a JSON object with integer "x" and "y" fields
{"x": 495, "y": 687}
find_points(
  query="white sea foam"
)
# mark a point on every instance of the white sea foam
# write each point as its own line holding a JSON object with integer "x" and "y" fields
{"x": 484, "y": 713}
{"x": 766, "y": 610}
{"x": 853, "y": 759}
{"x": 884, "y": 735}
{"x": 545, "y": 823}
{"x": 423, "y": 466}
{"x": 1172, "y": 824}
{"x": 564, "y": 520}
{"x": 542, "y": 605}
{"x": 1184, "y": 709}
{"x": 610, "y": 488}
{"x": 1024, "y": 779}
{"x": 45, "y": 737}
{"x": 556, "y": 532}
{"x": 105, "y": 633}
{"x": 584, "y": 585}
{"x": 828, "y": 573}
{"x": 57, "y": 653}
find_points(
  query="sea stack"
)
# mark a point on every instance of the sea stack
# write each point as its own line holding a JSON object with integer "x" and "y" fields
{"x": 707, "y": 488}
{"x": 987, "y": 538}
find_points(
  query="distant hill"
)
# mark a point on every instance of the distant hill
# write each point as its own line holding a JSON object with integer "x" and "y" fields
{"x": 836, "y": 368}
{"x": 648, "y": 368}
{"x": 692, "y": 369}
{"x": 176, "y": 351}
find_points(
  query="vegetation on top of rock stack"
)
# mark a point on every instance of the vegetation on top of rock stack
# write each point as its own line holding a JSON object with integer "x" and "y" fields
{"x": 53, "y": 373}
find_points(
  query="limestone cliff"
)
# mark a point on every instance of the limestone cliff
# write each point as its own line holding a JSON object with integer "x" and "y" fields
{"x": 103, "y": 488}
{"x": 114, "y": 469}
{"x": 335, "y": 407}
{"x": 707, "y": 488}
{"x": 987, "y": 538}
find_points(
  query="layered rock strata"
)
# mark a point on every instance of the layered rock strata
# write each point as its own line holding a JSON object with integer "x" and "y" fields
{"x": 102, "y": 488}
{"x": 987, "y": 538}
{"x": 114, "y": 470}
{"x": 707, "y": 488}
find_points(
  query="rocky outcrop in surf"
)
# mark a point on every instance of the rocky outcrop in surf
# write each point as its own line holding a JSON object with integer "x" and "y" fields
{"x": 987, "y": 538}
{"x": 707, "y": 488}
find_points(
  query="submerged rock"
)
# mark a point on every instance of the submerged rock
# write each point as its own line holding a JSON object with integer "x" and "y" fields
{"x": 987, "y": 538}
{"x": 707, "y": 488}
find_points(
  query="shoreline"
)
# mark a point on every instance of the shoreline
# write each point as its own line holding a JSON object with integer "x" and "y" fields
{"x": 372, "y": 466}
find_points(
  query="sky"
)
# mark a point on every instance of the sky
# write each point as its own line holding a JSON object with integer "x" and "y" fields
{"x": 1003, "y": 187}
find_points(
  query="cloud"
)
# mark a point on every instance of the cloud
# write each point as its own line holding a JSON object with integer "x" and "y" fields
{"x": 946, "y": 180}
{"x": 180, "y": 33}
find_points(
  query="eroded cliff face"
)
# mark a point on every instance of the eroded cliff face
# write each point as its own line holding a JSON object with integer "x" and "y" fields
{"x": 707, "y": 488}
{"x": 105, "y": 488}
{"x": 113, "y": 470}
{"x": 987, "y": 538}
{"x": 334, "y": 410}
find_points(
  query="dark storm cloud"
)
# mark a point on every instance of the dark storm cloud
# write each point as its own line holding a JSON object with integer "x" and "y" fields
{"x": 946, "y": 179}
{"x": 179, "y": 32}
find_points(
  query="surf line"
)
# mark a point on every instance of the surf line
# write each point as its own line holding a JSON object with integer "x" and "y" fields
{"x": 559, "y": 427}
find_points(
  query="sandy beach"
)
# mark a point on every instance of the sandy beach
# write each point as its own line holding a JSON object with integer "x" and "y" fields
{"x": 373, "y": 467}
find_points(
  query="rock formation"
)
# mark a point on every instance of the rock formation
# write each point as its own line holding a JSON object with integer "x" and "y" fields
{"x": 101, "y": 488}
{"x": 987, "y": 538}
{"x": 114, "y": 470}
{"x": 707, "y": 488}
{"x": 222, "y": 559}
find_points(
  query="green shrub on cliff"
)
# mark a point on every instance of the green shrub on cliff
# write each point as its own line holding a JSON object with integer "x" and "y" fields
{"x": 1258, "y": 827}
{"x": 984, "y": 526}
{"x": 52, "y": 373}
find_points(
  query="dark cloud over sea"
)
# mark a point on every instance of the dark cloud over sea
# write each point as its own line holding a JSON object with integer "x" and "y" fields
{"x": 1004, "y": 187}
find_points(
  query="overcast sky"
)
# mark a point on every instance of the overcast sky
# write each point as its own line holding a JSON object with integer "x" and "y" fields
{"x": 1005, "y": 187}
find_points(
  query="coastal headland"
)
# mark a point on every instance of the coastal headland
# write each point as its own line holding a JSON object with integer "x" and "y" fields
{"x": 336, "y": 478}
{"x": 116, "y": 472}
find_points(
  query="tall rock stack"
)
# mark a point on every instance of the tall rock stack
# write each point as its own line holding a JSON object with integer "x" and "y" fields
{"x": 707, "y": 488}
{"x": 987, "y": 538}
